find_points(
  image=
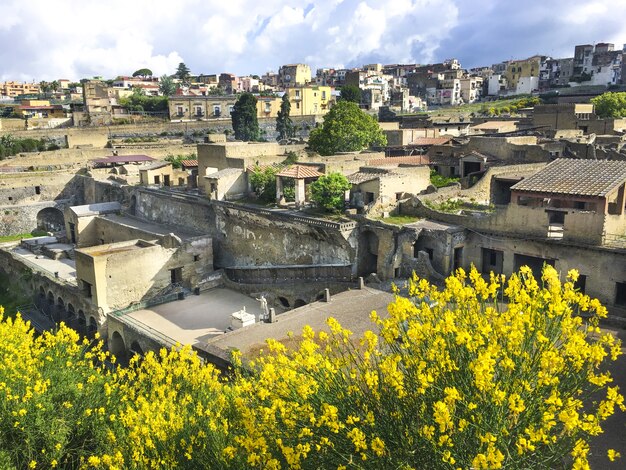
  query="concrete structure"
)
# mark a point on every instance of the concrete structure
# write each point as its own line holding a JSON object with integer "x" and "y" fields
{"x": 226, "y": 184}
{"x": 380, "y": 188}
{"x": 575, "y": 116}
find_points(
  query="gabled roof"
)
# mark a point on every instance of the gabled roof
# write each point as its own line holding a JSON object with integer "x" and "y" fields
{"x": 189, "y": 163}
{"x": 576, "y": 177}
{"x": 299, "y": 172}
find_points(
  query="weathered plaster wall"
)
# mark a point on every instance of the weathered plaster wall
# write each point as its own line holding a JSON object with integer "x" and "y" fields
{"x": 15, "y": 220}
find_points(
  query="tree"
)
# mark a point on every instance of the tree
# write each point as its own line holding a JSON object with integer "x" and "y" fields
{"x": 263, "y": 182}
{"x": 284, "y": 124}
{"x": 244, "y": 118}
{"x": 55, "y": 86}
{"x": 142, "y": 73}
{"x": 167, "y": 87}
{"x": 610, "y": 105}
{"x": 346, "y": 129}
{"x": 44, "y": 87}
{"x": 350, "y": 93}
{"x": 328, "y": 191}
{"x": 183, "y": 73}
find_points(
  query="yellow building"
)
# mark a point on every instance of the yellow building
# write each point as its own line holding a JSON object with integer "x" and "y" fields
{"x": 294, "y": 74}
{"x": 309, "y": 100}
{"x": 39, "y": 109}
{"x": 267, "y": 107}
{"x": 13, "y": 89}
{"x": 517, "y": 69}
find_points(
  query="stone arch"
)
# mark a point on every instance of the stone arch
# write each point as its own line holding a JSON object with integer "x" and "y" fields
{"x": 299, "y": 303}
{"x": 284, "y": 302}
{"x": 136, "y": 348}
{"x": 82, "y": 322}
{"x": 71, "y": 312}
{"x": 117, "y": 346}
{"x": 50, "y": 219}
{"x": 92, "y": 325}
{"x": 42, "y": 292}
{"x": 367, "y": 261}
{"x": 60, "y": 309}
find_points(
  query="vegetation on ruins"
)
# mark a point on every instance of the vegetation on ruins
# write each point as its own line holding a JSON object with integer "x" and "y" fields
{"x": 10, "y": 145}
{"x": 263, "y": 182}
{"x": 350, "y": 93}
{"x": 346, "y": 129}
{"x": 440, "y": 181}
{"x": 486, "y": 374}
{"x": 329, "y": 191}
{"x": 610, "y": 105}
{"x": 284, "y": 124}
{"x": 176, "y": 160}
{"x": 244, "y": 118}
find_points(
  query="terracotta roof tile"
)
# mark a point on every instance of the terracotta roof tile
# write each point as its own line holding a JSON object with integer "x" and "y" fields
{"x": 300, "y": 172}
{"x": 407, "y": 160}
{"x": 576, "y": 177}
{"x": 189, "y": 163}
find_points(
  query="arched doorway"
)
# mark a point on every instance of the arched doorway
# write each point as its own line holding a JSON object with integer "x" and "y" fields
{"x": 136, "y": 348}
{"x": 117, "y": 347}
{"x": 367, "y": 261}
{"x": 133, "y": 205}
{"x": 299, "y": 303}
{"x": 92, "y": 327}
{"x": 49, "y": 307}
{"x": 284, "y": 302}
{"x": 60, "y": 310}
{"x": 50, "y": 219}
{"x": 82, "y": 322}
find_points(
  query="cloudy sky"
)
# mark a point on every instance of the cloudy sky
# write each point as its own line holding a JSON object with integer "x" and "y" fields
{"x": 44, "y": 40}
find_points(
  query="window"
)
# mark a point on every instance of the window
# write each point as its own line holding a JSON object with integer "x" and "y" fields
{"x": 179, "y": 110}
{"x": 37, "y": 189}
{"x": 217, "y": 111}
{"x": 323, "y": 95}
{"x": 157, "y": 179}
{"x": 199, "y": 111}
{"x": 298, "y": 105}
{"x": 581, "y": 283}
{"x": 297, "y": 93}
{"x": 580, "y": 205}
{"x": 196, "y": 257}
{"x": 620, "y": 294}
{"x": 86, "y": 289}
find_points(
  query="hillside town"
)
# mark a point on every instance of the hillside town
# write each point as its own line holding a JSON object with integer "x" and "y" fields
{"x": 216, "y": 210}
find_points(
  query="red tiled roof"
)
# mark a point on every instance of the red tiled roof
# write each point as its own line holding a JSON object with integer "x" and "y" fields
{"x": 189, "y": 162}
{"x": 410, "y": 160}
{"x": 300, "y": 172}
{"x": 430, "y": 141}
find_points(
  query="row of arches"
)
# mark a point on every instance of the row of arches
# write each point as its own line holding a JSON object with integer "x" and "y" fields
{"x": 61, "y": 311}
{"x": 117, "y": 346}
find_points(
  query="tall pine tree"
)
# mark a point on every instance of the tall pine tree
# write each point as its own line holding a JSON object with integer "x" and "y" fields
{"x": 244, "y": 118}
{"x": 284, "y": 124}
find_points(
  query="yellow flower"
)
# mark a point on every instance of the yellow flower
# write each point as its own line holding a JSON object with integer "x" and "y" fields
{"x": 612, "y": 454}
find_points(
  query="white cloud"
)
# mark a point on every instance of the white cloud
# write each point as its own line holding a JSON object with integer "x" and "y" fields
{"x": 76, "y": 38}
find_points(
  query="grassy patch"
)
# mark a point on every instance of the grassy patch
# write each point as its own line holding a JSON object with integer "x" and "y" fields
{"x": 10, "y": 298}
{"x": 440, "y": 181}
{"x": 21, "y": 236}
{"x": 400, "y": 219}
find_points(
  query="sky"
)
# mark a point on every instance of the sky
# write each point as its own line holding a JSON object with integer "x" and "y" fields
{"x": 73, "y": 39}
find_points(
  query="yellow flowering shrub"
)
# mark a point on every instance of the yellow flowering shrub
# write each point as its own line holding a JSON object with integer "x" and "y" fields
{"x": 482, "y": 374}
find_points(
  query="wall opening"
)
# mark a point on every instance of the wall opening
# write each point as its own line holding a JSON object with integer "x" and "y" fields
{"x": 50, "y": 219}
{"x": 117, "y": 347}
{"x": 533, "y": 262}
{"x": 620, "y": 294}
{"x": 367, "y": 262}
{"x": 493, "y": 261}
{"x": 284, "y": 302}
{"x": 299, "y": 303}
{"x": 135, "y": 348}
